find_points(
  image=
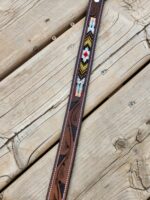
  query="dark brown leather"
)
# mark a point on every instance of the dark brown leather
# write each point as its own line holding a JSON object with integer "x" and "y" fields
{"x": 61, "y": 174}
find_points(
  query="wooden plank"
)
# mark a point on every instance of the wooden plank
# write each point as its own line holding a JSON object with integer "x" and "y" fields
{"x": 11, "y": 82}
{"x": 40, "y": 72}
{"x": 32, "y": 113}
{"x": 113, "y": 155}
{"x": 25, "y": 26}
{"x": 35, "y": 139}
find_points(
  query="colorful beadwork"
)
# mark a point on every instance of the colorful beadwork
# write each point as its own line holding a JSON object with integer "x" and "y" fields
{"x": 85, "y": 57}
{"x": 86, "y": 54}
{"x": 61, "y": 175}
{"x": 79, "y": 87}
{"x": 92, "y": 25}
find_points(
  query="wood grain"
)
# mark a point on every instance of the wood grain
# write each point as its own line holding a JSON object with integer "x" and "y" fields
{"x": 26, "y": 26}
{"x": 26, "y": 117}
{"x": 34, "y": 97}
{"x": 113, "y": 154}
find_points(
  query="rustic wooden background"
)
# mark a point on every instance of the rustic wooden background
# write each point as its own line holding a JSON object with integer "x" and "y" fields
{"x": 39, "y": 40}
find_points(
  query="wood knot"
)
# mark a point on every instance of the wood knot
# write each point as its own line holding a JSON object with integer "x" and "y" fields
{"x": 103, "y": 72}
{"x": 148, "y": 122}
{"x": 121, "y": 144}
{"x": 139, "y": 136}
{"x": 131, "y": 103}
{"x": 47, "y": 20}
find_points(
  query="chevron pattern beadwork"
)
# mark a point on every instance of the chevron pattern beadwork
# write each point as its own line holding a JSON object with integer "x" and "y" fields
{"x": 61, "y": 175}
{"x": 88, "y": 42}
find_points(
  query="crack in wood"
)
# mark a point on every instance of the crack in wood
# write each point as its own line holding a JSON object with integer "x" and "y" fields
{"x": 15, "y": 152}
{"x": 32, "y": 122}
{"x": 121, "y": 47}
{"x": 53, "y": 107}
{"x": 41, "y": 144}
{"x": 121, "y": 160}
{"x": 48, "y": 110}
{"x": 147, "y": 34}
{"x": 128, "y": 5}
{"x": 147, "y": 122}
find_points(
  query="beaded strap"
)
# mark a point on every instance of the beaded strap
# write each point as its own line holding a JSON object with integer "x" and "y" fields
{"x": 63, "y": 166}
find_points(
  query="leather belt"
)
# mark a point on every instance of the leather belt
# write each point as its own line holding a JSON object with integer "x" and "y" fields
{"x": 63, "y": 166}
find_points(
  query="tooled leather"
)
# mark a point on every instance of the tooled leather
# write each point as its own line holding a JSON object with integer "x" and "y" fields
{"x": 62, "y": 170}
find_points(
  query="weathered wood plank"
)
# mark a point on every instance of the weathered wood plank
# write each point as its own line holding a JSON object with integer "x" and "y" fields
{"x": 26, "y": 25}
{"x": 113, "y": 155}
{"x": 32, "y": 112}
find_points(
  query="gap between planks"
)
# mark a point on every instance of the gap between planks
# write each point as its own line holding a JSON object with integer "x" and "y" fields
{"x": 119, "y": 53}
{"x": 84, "y": 118}
{"x": 37, "y": 49}
{"x": 123, "y": 147}
{"x": 17, "y": 47}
